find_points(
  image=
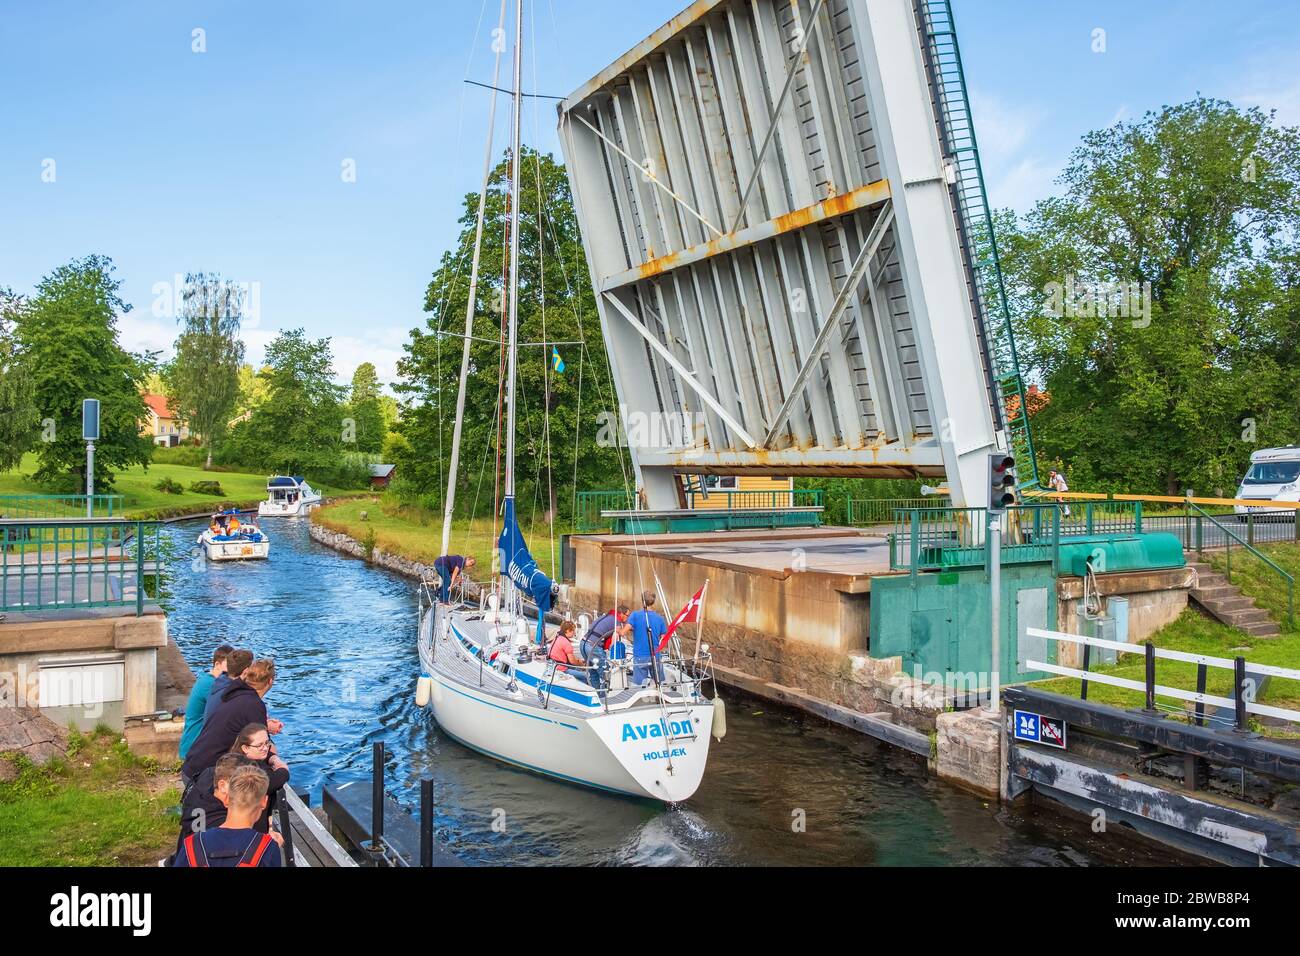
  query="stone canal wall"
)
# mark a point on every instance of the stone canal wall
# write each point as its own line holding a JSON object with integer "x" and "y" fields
{"x": 377, "y": 556}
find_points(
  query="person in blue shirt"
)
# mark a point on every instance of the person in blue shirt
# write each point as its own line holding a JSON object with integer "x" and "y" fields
{"x": 196, "y": 705}
{"x": 648, "y": 628}
{"x": 451, "y": 568}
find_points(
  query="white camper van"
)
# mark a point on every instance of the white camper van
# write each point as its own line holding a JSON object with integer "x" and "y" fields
{"x": 1274, "y": 476}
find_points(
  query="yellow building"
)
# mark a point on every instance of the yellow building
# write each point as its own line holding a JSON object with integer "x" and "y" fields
{"x": 161, "y": 423}
{"x": 740, "y": 491}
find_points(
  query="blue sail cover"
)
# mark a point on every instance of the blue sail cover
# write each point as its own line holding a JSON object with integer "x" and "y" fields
{"x": 520, "y": 565}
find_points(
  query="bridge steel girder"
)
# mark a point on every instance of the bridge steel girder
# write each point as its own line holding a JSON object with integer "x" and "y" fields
{"x": 731, "y": 329}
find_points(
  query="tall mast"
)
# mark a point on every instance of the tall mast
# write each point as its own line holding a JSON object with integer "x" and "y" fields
{"x": 470, "y": 305}
{"x": 512, "y": 348}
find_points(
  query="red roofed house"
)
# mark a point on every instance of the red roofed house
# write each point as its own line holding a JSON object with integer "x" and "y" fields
{"x": 1035, "y": 400}
{"x": 161, "y": 423}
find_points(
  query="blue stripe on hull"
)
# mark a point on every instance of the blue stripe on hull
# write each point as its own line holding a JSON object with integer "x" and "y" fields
{"x": 519, "y": 763}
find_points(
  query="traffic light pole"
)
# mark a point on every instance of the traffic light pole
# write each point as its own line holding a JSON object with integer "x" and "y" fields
{"x": 90, "y": 479}
{"x": 995, "y": 603}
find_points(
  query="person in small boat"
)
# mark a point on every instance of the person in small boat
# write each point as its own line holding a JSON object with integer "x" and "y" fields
{"x": 562, "y": 650}
{"x": 596, "y": 644}
{"x": 232, "y": 527}
{"x": 648, "y": 628}
{"x": 216, "y": 527}
{"x": 451, "y": 568}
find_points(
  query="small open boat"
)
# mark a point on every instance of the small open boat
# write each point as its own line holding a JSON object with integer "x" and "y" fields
{"x": 288, "y": 496}
{"x": 244, "y": 542}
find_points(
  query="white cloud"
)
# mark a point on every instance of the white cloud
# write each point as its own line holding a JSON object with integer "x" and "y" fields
{"x": 138, "y": 331}
{"x": 1270, "y": 91}
{"x": 1015, "y": 174}
{"x": 381, "y": 347}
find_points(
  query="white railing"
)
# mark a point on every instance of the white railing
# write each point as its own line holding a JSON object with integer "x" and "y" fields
{"x": 1152, "y": 689}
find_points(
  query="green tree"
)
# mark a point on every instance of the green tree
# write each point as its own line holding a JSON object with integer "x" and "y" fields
{"x": 203, "y": 378}
{"x": 298, "y": 426}
{"x": 1155, "y": 300}
{"x": 18, "y": 415}
{"x": 252, "y": 388}
{"x": 365, "y": 410}
{"x": 556, "y": 304}
{"x": 69, "y": 337}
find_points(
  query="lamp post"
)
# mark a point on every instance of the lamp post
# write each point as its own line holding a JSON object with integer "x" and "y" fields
{"x": 90, "y": 433}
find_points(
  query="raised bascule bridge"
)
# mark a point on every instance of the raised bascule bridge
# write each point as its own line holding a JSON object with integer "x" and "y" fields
{"x": 792, "y": 252}
{"x": 791, "y": 247}
{"x": 793, "y": 256}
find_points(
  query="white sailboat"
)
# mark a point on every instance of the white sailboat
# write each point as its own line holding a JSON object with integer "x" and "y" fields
{"x": 484, "y": 670}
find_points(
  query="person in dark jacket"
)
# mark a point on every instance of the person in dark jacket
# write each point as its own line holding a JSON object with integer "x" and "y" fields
{"x": 254, "y": 745}
{"x": 235, "y": 843}
{"x": 241, "y": 705}
{"x": 236, "y": 662}
{"x": 204, "y": 806}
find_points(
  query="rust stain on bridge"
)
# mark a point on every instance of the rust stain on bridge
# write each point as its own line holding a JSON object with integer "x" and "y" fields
{"x": 841, "y": 205}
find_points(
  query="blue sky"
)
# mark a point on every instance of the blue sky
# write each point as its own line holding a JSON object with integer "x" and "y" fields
{"x": 231, "y": 160}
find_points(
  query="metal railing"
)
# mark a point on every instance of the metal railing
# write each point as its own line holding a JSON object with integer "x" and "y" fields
{"x": 724, "y": 499}
{"x": 934, "y": 538}
{"x": 79, "y": 563}
{"x": 590, "y": 504}
{"x": 1224, "y": 534}
{"x": 869, "y": 511}
{"x": 1245, "y": 677}
{"x": 60, "y": 506}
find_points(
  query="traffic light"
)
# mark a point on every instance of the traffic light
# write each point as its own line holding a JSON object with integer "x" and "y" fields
{"x": 1002, "y": 481}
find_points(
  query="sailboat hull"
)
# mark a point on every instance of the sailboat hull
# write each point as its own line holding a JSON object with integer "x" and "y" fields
{"x": 639, "y": 752}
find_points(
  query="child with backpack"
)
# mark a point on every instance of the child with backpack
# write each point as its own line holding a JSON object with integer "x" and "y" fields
{"x": 235, "y": 843}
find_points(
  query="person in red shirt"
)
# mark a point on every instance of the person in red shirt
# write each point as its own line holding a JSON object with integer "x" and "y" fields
{"x": 562, "y": 650}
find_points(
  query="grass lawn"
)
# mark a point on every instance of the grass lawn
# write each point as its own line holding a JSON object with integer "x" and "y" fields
{"x": 417, "y": 534}
{"x": 143, "y": 500}
{"x": 1194, "y": 633}
{"x": 101, "y": 806}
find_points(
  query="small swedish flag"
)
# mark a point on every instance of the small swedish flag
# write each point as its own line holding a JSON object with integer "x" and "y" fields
{"x": 557, "y": 363}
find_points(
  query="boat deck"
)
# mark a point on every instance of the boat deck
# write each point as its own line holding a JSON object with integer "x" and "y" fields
{"x": 475, "y": 672}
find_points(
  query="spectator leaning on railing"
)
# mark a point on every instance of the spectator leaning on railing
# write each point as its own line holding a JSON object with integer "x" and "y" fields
{"x": 241, "y": 705}
{"x": 197, "y": 704}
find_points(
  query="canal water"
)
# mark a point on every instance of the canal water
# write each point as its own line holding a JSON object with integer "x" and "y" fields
{"x": 781, "y": 788}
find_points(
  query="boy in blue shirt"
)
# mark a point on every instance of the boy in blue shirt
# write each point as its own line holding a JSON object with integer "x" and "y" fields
{"x": 648, "y": 628}
{"x": 198, "y": 702}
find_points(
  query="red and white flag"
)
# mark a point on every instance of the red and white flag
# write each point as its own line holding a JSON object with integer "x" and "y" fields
{"x": 689, "y": 613}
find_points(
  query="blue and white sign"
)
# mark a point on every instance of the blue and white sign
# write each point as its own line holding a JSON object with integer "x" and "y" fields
{"x": 1038, "y": 729}
{"x": 1026, "y": 726}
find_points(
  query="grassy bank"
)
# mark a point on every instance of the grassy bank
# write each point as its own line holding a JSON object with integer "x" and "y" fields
{"x": 1194, "y": 633}
{"x": 416, "y": 533}
{"x": 99, "y": 806}
{"x": 142, "y": 499}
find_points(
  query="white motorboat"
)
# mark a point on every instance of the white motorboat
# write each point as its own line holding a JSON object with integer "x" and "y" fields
{"x": 227, "y": 540}
{"x": 288, "y": 496}
{"x": 485, "y": 671}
